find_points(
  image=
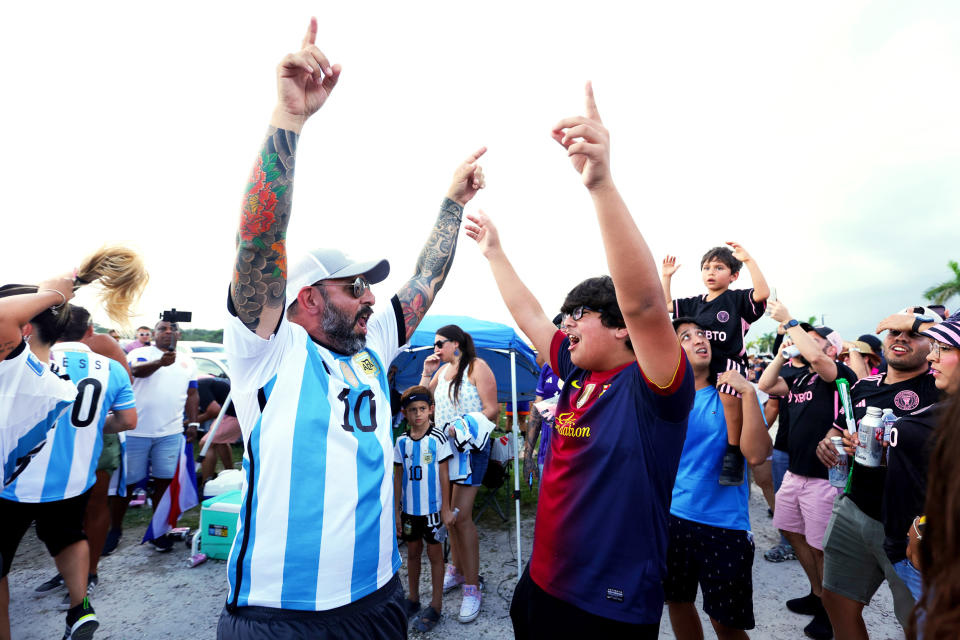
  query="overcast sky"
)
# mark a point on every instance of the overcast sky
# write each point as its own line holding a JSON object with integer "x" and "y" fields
{"x": 822, "y": 136}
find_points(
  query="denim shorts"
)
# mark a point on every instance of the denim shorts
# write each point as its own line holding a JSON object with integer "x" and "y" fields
{"x": 161, "y": 453}
{"x": 911, "y": 576}
{"x": 479, "y": 460}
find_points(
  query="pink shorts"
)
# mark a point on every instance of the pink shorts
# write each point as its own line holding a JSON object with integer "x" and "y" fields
{"x": 227, "y": 433}
{"x": 804, "y": 506}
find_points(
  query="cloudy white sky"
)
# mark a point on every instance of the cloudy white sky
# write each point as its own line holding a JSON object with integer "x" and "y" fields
{"x": 822, "y": 136}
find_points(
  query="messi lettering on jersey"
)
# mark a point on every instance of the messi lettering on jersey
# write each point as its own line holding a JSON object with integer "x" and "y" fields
{"x": 66, "y": 467}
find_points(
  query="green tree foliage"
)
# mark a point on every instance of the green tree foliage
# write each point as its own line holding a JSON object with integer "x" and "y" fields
{"x": 204, "y": 335}
{"x": 939, "y": 294}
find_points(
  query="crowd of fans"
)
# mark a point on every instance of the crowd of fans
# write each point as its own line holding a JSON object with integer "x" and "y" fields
{"x": 648, "y": 419}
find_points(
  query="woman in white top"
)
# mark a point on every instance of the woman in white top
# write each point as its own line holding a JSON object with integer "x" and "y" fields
{"x": 462, "y": 383}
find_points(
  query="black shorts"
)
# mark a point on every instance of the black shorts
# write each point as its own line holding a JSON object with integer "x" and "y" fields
{"x": 59, "y": 524}
{"x": 415, "y": 528}
{"x": 720, "y": 561}
{"x": 382, "y": 614}
{"x": 719, "y": 364}
{"x": 537, "y": 614}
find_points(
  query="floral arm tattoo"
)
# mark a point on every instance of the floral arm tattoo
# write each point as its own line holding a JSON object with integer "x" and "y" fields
{"x": 260, "y": 274}
{"x": 433, "y": 266}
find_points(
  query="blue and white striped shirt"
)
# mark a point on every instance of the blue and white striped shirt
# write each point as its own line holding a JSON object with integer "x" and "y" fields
{"x": 317, "y": 524}
{"x": 67, "y": 465}
{"x": 31, "y": 399}
{"x": 421, "y": 459}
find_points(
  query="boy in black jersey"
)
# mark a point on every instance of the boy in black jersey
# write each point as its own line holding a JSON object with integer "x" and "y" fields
{"x": 726, "y": 315}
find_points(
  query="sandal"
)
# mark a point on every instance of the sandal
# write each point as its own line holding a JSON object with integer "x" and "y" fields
{"x": 428, "y": 619}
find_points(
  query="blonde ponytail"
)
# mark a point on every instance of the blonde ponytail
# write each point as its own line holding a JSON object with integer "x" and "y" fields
{"x": 122, "y": 275}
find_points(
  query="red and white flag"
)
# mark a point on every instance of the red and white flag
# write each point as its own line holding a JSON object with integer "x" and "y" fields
{"x": 180, "y": 496}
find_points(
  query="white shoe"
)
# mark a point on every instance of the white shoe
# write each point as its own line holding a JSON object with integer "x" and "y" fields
{"x": 470, "y": 606}
{"x": 452, "y": 578}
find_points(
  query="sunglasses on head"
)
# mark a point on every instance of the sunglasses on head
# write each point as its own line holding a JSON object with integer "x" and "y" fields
{"x": 358, "y": 286}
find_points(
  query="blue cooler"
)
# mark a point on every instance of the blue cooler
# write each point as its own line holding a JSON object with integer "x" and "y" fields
{"x": 219, "y": 519}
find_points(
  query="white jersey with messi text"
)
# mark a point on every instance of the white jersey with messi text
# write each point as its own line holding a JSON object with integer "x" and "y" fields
{"x": 421, "y": 459}
{"x": 317, "y": 524}
{"x": 31, "y": 399}
{"x": 67, "y": 465}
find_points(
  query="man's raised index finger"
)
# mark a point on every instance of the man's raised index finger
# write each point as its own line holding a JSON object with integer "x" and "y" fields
{"x": 311, "y": 37}
{"x": 592, "y": 112}
{"x": 476, "y": 155}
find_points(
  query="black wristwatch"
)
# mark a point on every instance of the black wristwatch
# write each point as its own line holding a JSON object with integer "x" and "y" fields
{"x": 919, "y": 320}
{"x": 789, "y": 324}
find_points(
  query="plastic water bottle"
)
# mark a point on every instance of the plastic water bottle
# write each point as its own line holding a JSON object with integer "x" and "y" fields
{"x": 870, "y": 451}
{"x": 889, "y": 419}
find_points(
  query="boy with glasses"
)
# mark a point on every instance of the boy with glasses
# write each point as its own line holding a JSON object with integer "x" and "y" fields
{"x": 619, "y": 426}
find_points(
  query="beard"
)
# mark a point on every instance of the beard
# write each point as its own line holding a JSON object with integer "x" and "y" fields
{"x": 339, "y": 329}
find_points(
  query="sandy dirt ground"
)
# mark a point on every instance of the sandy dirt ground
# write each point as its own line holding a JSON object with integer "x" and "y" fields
{"x": 145, "y": 594}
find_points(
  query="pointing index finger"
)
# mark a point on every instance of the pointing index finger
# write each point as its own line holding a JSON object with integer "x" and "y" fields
{"x": 311, "y": 36}
{"x": 476, "y": 155}
{"x": 592, "y": 111}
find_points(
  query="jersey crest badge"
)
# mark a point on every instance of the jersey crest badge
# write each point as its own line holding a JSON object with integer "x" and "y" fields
{"x": 907, "y": 400}
{"x": 723, "y": 316}
{"x": 367, "y": 364}
{"x": 427, "y": 457}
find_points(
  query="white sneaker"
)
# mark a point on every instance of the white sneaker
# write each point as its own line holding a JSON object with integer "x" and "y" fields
{"x": 452, "y": 578}
{"x": 470, "y": 606}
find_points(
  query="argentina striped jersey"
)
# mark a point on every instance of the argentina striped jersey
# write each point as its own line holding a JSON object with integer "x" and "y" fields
{"x": 317, "y": 524}
{"x": 31, "y": 399}
{"x": 67, "y": 464}
{"x": 421, "y": 459}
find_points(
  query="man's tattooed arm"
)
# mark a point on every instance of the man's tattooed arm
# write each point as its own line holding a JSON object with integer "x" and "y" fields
{"x": 433, "y": 266}
{"x": 260, "y": 274}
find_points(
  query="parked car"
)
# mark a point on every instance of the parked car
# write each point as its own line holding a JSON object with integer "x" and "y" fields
{"x": 210, "y": 357}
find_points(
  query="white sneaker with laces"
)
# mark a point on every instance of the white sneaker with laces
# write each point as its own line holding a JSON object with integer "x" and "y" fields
{"x": 470, "y": 606}
{"x": 452, "y": 578}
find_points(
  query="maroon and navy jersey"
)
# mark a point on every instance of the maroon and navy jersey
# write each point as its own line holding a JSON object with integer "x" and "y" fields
{"x": 600, "y": 540}
{"x": 726, "y": 319}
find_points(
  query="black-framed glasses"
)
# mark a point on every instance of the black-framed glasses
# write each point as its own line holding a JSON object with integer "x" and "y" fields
{"x": 936, "y": 348}
{"x": 578, "y": 312}
{"x": 358, "y": 286}
{"x": 439, "y": 344}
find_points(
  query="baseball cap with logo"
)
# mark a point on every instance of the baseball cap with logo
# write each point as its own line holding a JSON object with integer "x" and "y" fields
{"x": 828, "y": 334}
{"x": 327, "y": 264}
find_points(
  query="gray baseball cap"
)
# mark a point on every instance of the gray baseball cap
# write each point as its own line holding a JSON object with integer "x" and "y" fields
{"x": 326, "y": 264}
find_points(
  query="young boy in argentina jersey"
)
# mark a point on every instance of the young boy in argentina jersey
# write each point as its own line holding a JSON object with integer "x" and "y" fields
{"x": 54, "y": 488}
{"x": 422, "y": 489}
{"x": 726, "y": 315}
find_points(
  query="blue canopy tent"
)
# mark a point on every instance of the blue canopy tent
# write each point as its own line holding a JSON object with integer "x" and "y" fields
{"x": 494, "y": 342}
{"x": 514, "y": 367}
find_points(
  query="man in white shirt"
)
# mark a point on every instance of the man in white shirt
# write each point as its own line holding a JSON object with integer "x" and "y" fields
{"x": 315, "y": 553}
{"x": 165, "y": 386}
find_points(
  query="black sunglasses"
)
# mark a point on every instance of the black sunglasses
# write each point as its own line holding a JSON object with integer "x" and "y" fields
{"x": 439, "y": 344}
{"x": 359, "y": 286}
{"x": 577, "y": 312}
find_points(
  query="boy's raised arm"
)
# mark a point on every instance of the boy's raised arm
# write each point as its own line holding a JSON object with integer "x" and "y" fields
{"x": 632, "y": 267}
{"x": 526, "y": 311}
{"x": 761, "y": 290}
